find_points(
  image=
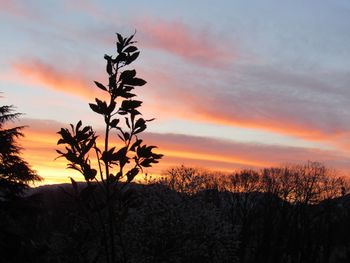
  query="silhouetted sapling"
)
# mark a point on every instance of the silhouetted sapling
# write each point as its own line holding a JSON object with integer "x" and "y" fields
{"x": 116, "y": 167}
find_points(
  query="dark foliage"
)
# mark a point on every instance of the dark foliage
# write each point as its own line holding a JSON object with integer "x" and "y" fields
{"x": 242, "y": 217}
{"x": 15, "y": 212}
{"x": 15, "y": 173}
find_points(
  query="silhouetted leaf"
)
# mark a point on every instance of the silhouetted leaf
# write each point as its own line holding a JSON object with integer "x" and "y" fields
{"x": 78, "y": 126}
{"x": 140, "y": 126}
{"x": 74, "y": 166}
{"x": 145, "y": 151}
{"x": 61, "y": 141}
{"x": 90, "y": 174}
{"x": 128, "y": 88}
{"x": 95, "y": 108}
{"x": 66, "y": 136}
{"x": 120, "y": 38}
{"x": 86, "y": 129}
{"x": 101, "y": 107}
{"x": 146, "y": 163}
{"x": 157, "y": 156}
{"x": 135, "y": 144}
{"x": 119, "y": 47}
{"x": 114, "y": 123}
{"x": 128, "y": 41}
{"x": 130, "y": 49}
{"x": 59, "y": 152}
{"x": 109, "y": 67}
{"x": 127, "y": 75}
{"x": 126, "y": 136}
{"x": 140, "y": 122}
{"x": 132, "y": 173}
{"x": 130, "y": 104}
{"x": 86, "y": 148}
{"x": 122, "y": 152}
{"x": 136, "y": 82}
{"x": 108, "y": 156}
{"x": 132, "y": 58}
{"x": 127, "y": 122}
{"x": 102, "y": 87}
{"x": 121, "y": 156}
{"x": 127, "y": 95}
{"x": 121, "y": 57}
{"x": 111, "y": 107}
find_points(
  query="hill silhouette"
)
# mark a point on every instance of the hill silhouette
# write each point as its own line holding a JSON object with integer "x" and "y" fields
{"x": 165, "y": 225}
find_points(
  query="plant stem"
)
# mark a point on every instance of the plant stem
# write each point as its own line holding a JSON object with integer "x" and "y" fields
{"x": 109, "y": 204}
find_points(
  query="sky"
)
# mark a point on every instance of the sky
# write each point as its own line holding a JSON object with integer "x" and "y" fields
{"x": 232, "y": 84}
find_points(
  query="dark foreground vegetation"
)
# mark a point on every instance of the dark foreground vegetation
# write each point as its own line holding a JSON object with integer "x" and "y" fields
{"x": 287, "y": 214}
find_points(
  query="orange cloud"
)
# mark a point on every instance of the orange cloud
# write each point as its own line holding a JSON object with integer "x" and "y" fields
{"x": 40, "y": 73}
{"x": 271, "y": 125}
{"x": 310, "y": 127}
{"x": 41, "y": 138}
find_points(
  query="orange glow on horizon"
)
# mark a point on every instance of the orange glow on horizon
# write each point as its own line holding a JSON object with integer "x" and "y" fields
{"x": 40, "y": 143}
{"x": 212, "y": 157}
{"x": 40, "y": 152}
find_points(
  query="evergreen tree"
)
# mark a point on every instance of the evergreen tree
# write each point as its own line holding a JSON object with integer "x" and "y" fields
{"x": 15, "y": 173}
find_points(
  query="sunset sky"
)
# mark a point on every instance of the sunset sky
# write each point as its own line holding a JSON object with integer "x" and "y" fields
{"x": 232, "y": 84}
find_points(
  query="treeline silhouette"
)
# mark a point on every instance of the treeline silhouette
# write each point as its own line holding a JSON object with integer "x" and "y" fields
{"x": 296, "y": 213}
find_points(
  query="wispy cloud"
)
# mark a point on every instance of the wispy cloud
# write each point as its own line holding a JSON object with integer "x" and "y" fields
{"x": 288, "y": 103}
{"x": 195, "y": 46}
{"x": 70, "y": 81}
{"x": 293, "y": 106}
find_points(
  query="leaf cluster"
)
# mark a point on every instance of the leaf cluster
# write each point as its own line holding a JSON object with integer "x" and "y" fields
{"x": 79, "y": 141}
{"x": 120, "y": 87}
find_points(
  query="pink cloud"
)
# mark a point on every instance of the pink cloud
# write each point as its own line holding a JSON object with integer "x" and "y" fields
{"x": 177, "y": 38}
{"x": 13, "y": 8}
